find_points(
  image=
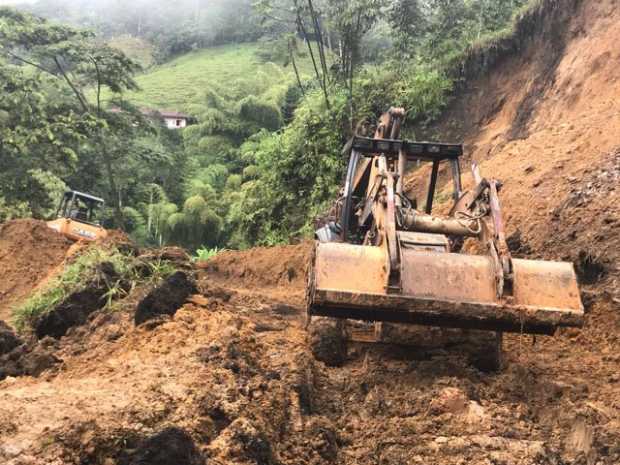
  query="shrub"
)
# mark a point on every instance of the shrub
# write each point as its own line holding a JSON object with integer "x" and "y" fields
{"x": 233, "y": 182}
{"x": 250, "y": 172}
{"x": 214, "y": 149}
{"x": 266, "y": 115}
{"x": 205, "y": 253}
{"x": 194, "y": 205}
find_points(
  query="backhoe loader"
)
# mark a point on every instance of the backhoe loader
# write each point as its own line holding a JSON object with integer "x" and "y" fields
{"x": 381, "y": 259}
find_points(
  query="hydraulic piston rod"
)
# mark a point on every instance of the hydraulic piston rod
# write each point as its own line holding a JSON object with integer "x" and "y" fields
{"x": 413, "y": 221}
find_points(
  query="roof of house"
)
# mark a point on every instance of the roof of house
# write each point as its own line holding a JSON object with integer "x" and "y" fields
{"x": 164, "y": 113}
{"x": 173, "y": 114}
{"x": 153, "y": 112}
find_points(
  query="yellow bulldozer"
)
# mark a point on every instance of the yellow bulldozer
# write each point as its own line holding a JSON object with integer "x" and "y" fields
{"x": 76, "y": 217}
{"x": 380, "y": 259}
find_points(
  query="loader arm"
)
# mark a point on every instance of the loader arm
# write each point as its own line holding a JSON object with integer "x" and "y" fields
{"x": 396, "y": 263}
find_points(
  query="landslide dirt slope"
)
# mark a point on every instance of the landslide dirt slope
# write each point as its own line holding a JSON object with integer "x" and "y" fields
{"x": 546, "y": 122}
{"x": 29, "y": 252}
{"x": 230, "y": 380}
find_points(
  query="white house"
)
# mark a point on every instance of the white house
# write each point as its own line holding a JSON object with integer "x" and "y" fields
{"x": 174, "y": 119}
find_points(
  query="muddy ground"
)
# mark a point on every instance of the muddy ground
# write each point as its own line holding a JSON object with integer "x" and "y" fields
{"x": 229, "y": 379}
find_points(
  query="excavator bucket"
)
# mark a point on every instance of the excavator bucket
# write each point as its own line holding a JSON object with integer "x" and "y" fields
{"x": 452, "y": 290}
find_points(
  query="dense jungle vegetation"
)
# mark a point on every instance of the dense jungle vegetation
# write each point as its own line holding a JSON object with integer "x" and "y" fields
{"x": 263, "y": 158}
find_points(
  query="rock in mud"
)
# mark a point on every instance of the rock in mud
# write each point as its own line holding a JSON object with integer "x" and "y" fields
{"x": 325, "y": 438}
{"x": 172, "y": 446}
{"x": 517, "y": 245}
{"x": 27, "y": 360}
{"x": 476, "y": 414}
{"x": 38, "y": 360}
{"x": 449, "y": 400}
{"x": 8, "y": 339}
{"x": 243, "y": 442}
{"x": 166, "y": 298}
{"x": 590, "y": 267}
{"x": 8, "y": 367}
{"x": 73, "y": 311}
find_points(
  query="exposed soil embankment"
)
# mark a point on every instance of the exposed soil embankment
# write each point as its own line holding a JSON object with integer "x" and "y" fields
{"x": 29, "y": 251}
{"x": 544, "y": 120}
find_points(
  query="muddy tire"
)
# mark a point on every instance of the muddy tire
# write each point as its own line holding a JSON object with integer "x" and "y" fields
{"x": 327, "y": 340}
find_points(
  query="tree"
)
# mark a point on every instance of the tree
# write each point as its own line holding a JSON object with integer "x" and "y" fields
{"x": 351, "y": 19}
{"x": 301, "y": 17}
{"x": 407, "y": 19}
{"x": 293, "y": 50}
{"x": 40, "y": 135}
{"x": 74, "y": 58}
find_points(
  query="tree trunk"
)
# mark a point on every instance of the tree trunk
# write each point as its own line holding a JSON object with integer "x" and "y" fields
{"x": 300, "y": 23}
{"x": 74, "y": 88}
{"x": 149, "y": 221}
{"x": 319, "y": 35}
{"x": 351, "y": 91}
{"x": 114, "y": 193}
{"x": 301, "y": 87}
{"x": 328, "y": 35}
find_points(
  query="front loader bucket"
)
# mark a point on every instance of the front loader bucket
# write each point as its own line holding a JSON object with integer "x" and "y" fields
{"x": 442, "y": 289}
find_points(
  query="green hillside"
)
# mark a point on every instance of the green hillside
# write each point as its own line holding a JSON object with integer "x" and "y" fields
{"x": 181, "y": 82}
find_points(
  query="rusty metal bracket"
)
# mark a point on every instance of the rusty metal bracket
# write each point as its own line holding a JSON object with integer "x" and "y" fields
{"x": 393, "y": 283}
{"x": 496, "y": 242}
{"x": 503, "y": 251}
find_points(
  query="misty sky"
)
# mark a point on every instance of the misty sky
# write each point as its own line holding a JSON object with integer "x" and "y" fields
{"x": 13, "y": 2}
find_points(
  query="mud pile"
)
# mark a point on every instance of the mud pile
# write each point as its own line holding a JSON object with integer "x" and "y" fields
{"x": 261, "y": 266}
{"x": 217, "y": 376}
{"x": 29, "y": 252}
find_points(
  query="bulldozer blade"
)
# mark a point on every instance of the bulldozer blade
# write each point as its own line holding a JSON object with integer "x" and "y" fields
{"x": 442, "y": 289}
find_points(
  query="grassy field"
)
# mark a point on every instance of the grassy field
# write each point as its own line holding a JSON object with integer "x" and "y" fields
{"x": 178, "y": 84}
{"x": 135, "y": 48}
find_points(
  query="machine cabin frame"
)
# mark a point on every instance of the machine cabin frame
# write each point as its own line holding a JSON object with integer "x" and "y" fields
{"x": 80, "y": 207}
{"x": 396, "y": 152}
